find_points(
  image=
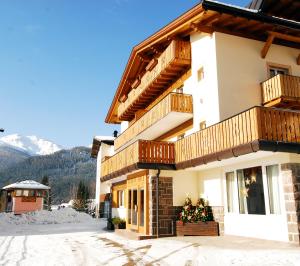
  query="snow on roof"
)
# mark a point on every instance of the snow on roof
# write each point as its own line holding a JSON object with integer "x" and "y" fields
{"x": 27, "y": 184}
{"x": 102, "y": 138}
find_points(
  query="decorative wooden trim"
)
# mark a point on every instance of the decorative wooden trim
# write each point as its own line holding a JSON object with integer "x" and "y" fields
{"x": 135, "y": 84}
{"x": 174, "y": 102}
{"x": 138, "y": 174}
{"x": 151, "y": 64}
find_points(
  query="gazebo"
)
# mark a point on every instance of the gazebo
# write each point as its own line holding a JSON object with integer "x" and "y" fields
{"x": 25, "y": 196}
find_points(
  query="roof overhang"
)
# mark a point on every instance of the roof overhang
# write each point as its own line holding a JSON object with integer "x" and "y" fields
{"x": 208, "y": 17}
{"x": 97, "y": 141}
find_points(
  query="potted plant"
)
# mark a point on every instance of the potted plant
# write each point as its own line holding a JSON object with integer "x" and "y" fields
{"x": 196, "y": 220}
{"x": 119, "y": 223}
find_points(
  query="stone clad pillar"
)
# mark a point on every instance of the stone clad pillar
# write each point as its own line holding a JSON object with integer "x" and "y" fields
{"x": 291, "y": 186}
{"x": 166, "y": 209}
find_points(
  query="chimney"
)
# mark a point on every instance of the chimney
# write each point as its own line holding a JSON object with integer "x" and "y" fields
{"x": 115, "y": 134}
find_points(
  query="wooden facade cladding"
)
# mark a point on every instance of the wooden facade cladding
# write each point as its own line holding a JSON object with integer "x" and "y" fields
{"x": 140, "y": 152}
{"x": 169, "y": 66}
{"x": 173, "y": 102}
{"x": 281, "y": 91}
{"x": 220, "y": 140}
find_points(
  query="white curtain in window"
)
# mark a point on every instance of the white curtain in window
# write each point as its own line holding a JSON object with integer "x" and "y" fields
{"x": 230, "y": 191}
{"x": 273, "y": 188}
{"x": 242, "y": 192}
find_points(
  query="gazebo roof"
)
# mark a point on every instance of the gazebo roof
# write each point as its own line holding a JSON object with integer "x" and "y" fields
{"x": 26, "y": 184}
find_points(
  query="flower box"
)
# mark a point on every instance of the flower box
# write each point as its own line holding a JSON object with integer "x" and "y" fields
{"x": 209, "y": 228}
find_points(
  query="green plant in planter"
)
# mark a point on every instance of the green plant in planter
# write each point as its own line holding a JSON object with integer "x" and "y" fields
{"x": 119, "y": 223}
{"x": 203, "y": 211}
{"x": 192, "y": 214}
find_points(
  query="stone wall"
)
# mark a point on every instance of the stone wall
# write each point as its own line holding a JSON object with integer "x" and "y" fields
{"x": 166, "y": 211}
{"x": 218, "y": 213}
{"x": 291, "y": 186}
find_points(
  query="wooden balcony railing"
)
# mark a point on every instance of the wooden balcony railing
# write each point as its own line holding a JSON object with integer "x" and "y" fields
{"x": 140, "y": 152}
{"x": 168, "y": 67}
{"x": 281, "y": 91}
{"x": 258, "y": 123}
{"x": 174, "y": 102}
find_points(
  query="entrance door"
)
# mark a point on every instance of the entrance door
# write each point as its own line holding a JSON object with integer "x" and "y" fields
{"x": 136, "y": 209}
{"x": 133, "y": 208}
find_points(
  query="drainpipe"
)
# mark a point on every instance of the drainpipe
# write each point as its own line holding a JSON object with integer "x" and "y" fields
{"x": 157, "y": 201}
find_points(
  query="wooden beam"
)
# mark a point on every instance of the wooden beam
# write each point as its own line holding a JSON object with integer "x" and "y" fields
{"x": 267, "y": 45}
{"x": 285, "y": 37}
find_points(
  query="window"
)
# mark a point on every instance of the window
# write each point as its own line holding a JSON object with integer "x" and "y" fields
{"x": 278, "y": 69}
{"x": 251, "y": 191}
{"x": 202, "y": 125}
{"x": 25, "y": 193}
{"x": 18, "y": 193}
{"x": 121, "y": 198}
{"x": 180, "y": 136}
{"x": 200, "y": 74}
{"x": 179, "y": 90}
{"x": 273, "y": 188}
{"x": 230, "y": 191}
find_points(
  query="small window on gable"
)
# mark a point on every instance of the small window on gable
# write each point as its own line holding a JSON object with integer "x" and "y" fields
{"x": 202, "y": 125}
{"x": 200, "y": 74}
{"x": 274, "y": 70}
{"x": 180, "y": 136}
{"x": 179, "y": 90}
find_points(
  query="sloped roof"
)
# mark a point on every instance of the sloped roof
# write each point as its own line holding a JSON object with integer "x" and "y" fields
{"x": 289, "y": 9}
{"x": 253, "y": 21}
{"x": 109, "y": 140}
{"x": 26, "y": 184}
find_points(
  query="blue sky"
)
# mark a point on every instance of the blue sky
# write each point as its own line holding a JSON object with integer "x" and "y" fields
{"x": 61, "y": 61}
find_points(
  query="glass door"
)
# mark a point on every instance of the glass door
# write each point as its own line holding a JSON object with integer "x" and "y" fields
{"x": 141, "y": 210}
{"x": 132, "y": 211}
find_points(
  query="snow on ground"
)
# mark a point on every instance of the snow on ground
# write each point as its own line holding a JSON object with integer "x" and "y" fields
{"x": 57, "y": 240}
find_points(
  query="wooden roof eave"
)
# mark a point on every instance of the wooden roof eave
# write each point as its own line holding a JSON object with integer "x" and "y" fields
{"x": 163, "y": 34}
{"x": 189, "y": 19}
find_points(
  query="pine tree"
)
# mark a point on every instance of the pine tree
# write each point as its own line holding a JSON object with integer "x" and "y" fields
{"x": 80, "y": 203}
{"x": 48, "y": 197}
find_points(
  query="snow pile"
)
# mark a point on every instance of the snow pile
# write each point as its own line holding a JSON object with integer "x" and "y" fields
{"x": 30, "y": 144}
{"x": 62, "y": 216}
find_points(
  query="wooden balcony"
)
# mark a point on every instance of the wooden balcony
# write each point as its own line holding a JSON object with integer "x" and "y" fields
{"x": 282, "y": 91}
{"x": 160, "y": 74}
{"x": 169, "y": 113}
{"x": 139, "y": 155}
{"x": 259, "y": 128}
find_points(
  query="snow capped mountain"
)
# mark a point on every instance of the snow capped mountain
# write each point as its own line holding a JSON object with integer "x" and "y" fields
{"x": 30, "y": 144}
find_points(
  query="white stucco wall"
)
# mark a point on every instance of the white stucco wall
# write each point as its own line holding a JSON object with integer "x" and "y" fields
{"x": 205, "y": 92}
{"x": 269, "y": 226}
{"x": 210, "y": 184}
{"x": 184, "y": 183}
{"x": 102, "y": 188}
{"x": 241, "y": 69}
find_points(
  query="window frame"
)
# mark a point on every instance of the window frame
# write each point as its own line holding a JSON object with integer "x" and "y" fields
{"x": 271, "y": 65}
{"x": 234, "y": 169}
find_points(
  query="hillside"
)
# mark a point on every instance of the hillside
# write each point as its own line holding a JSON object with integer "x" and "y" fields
{"x": 10, "y": 156}
{"x": 64, "y": 168}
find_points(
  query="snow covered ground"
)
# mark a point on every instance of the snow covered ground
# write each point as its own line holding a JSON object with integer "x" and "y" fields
{"x": 68, "y": 238}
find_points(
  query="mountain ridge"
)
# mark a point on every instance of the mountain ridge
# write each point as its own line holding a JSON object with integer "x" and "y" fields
{"x": 32, "y": 145}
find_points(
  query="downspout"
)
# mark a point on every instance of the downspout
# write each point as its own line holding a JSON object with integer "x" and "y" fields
{"x": 157, "y": 202}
